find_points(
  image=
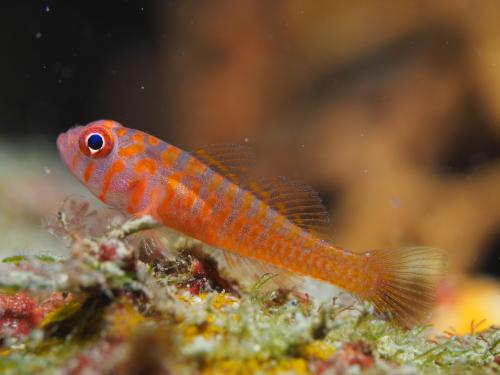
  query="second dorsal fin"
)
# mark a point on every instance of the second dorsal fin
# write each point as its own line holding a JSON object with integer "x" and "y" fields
{"x": 298, "y": 202}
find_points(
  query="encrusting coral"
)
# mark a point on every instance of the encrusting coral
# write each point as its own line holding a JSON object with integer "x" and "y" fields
{"x": 136, "y": 300}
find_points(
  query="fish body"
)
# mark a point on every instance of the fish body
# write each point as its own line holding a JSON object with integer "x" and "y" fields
{"x": 206, "y": 194}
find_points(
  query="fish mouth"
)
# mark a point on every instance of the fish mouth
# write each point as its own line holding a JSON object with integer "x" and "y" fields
{"x": 65, "y": 146}
{"x": 61, "y": 141}
{"x": 62, "y": 146}
{"x": 66, "y": 143}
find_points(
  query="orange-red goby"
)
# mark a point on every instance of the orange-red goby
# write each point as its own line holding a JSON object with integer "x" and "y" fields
{"x": 209, "y": 194}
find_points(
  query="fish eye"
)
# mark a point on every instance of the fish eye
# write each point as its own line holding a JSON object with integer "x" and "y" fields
{"x": 95, "y": 142}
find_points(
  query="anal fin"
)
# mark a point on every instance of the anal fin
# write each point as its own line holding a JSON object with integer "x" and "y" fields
{"x": 254, "y": 269}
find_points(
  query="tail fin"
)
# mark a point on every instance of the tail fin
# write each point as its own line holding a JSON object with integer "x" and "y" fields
{"x": 406, "y": 288}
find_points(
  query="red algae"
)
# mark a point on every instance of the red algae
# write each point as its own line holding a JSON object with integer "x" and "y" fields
{"x": 20, "y": 313}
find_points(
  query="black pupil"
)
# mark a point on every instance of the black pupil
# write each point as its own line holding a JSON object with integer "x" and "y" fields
{"x": 95, "y": 142}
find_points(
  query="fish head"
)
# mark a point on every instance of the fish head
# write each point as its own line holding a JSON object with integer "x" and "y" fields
{"x": 92, "y": 154}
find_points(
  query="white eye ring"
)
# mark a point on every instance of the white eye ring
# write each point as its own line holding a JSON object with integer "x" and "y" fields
{"x": 91, "y": 150}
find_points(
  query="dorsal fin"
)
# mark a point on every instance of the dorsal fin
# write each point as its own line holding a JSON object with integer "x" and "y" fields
{"x": 298, "y": 202}
{"x": 229, "y": 159}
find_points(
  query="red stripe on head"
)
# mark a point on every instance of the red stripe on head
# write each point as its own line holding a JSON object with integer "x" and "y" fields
{"x": 74, "y": 161}
{"x": 88, "y": 172}
{"x": 137, "y": 189}
{"x": 114, "y": 169}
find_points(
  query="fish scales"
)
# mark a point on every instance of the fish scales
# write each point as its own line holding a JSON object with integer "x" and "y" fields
{"x": 269, "y": 221}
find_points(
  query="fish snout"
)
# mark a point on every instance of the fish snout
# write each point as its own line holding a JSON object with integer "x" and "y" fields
{"x": 64, "y": 148}
{"x": 61, "y": 142}
{"x": 69, "y": 139}
{"x": 67, "y": 144}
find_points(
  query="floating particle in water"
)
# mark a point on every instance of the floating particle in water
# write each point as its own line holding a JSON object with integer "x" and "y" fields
{"x": 46, "y": 170}
{"x": 46, "y": 8}
{"x": 38, "y": 35}
{"x": 142, "y": 87}
{"x": 246, "y": 140}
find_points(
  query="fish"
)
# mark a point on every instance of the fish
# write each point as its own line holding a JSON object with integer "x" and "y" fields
{"x": 264, "y": 225}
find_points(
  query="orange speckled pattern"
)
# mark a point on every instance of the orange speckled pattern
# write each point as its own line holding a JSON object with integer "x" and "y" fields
{"x": 140, "y": 174}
